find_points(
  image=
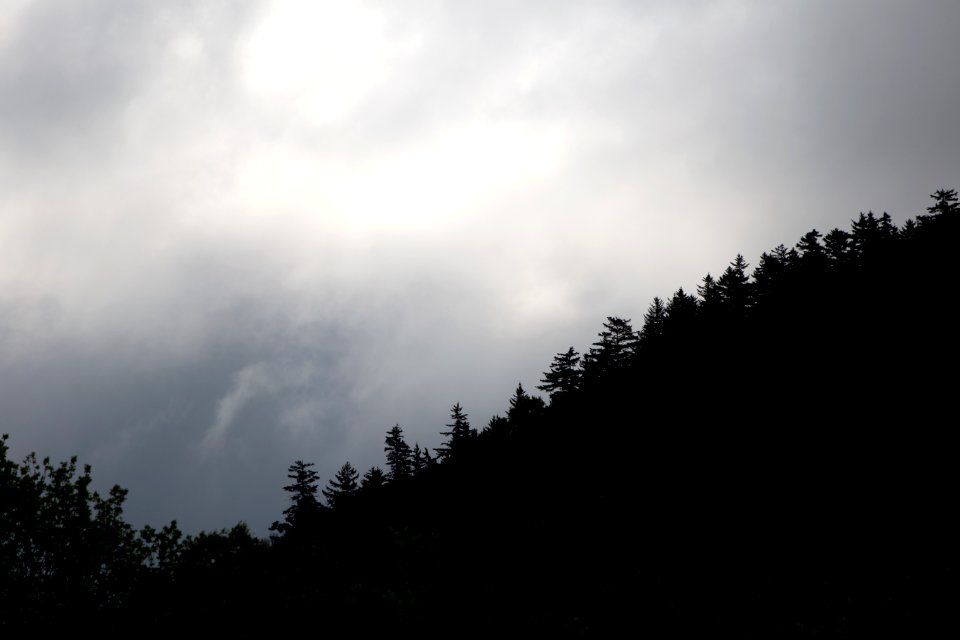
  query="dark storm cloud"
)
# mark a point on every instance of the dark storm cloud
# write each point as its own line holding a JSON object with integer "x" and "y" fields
{"x": 239, "y": 234}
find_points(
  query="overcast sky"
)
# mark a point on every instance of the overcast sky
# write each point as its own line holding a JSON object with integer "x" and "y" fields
{"x": 234, "y": 234}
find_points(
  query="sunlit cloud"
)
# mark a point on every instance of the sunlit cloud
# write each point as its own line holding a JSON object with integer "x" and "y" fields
{"x": 244, "y": 232}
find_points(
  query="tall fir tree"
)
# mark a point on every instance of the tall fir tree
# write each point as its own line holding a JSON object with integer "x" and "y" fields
{"x": 734, "y": 287}
{"x": 399, "y": 454}
{"x": 302, "y": 514}
{"x": 459, "y": 434}
{"x": 681, "y": 313}
{"x": 945, "y": 203}
{"x": 654, "y": 323}
{"x": 614, "y": 351}
{"x": 343, "y": 486}
{"x": 564, "y": 375}
{"x": 373, "y": 480}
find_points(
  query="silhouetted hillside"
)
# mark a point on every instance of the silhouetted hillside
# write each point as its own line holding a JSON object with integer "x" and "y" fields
{"x": 769, "y": 457}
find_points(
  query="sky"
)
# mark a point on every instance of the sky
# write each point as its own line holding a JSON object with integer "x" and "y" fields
{"x": 237, "y": 234}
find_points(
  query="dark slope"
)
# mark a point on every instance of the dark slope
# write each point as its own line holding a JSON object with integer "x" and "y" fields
{"x": 772, "y": 457}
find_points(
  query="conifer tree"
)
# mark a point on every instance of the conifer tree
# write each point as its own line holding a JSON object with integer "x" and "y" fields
{"x": 564, "y": 375}
{"x": 458, "y": 436}
{"x": 399, "y": 455}
{"x": 417, "y": 459}
{"x": 304, "y": 509}
{"x": 373, "y": 479}
{"x": 865, "y": 231}
{"x": 343, "y": 486}
{"x": 945, "y": 202}
{"x": 709, "y": 293}
{"x": 809, "y": 248}
{"x": 615, "y": 349}
{"x": 734, "y": 288}
{"x": 772, "y": 270}
{"x": 681, "y": 313}
{"x": 654, "y": 322}
{"x": 523, "y": 407}
{"x": 836, "y": 244}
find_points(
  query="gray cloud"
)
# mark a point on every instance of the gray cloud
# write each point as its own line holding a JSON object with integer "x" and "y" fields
{"x": 236, "y": 234}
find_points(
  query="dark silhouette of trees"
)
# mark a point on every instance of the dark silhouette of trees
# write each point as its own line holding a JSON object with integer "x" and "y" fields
{"x": 458, "y": 436}
{"x": 767, "y": 459}
{"x": 614, "y": 351}
{"x": 399, "y": 455}
{"x": 710, "y": 296}
{"x": 733, "y": 288}
{"x": 564, "y": 376}
{"x": 523, "y": 407}
{"x": 681, "y": 312}
{"x": 343, "y": 486}
{"x": 373, "y": 479}
{"x": 654, "y": 322}
{"x": 302, "y": 514}
{"x": 836, "y": 245}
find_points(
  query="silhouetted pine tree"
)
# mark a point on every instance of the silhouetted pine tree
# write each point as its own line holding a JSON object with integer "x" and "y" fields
{"x": 343, "y": 486}
{"x": 564, "y": 376}
{"x": 945, "y": 203}
{"x": 865, "y": 232}
{"x": 614, "y": 351}
{"x": 416, "y": 461}
{"x": 734, "y": 288}
{"x": 836, "y": 245}
{"x": 458, "y": 436}
{"x": 399, "y": 455}
{"x": 523, "y": 407}
{"x": 302, "y": 514}
{"x": 811, "y": 252}
{"x": 772, "y": 273}
{"x": 373, "y": 480}
{"x": 681, "y": 313}
{"x": 654, "y": 322}
{"x": 711, "y": 299}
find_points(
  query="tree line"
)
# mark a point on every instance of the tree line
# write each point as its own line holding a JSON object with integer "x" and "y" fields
{"x": 765, "y": 455}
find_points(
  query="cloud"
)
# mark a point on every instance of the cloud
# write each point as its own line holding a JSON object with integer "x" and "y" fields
{"x": 237, "y": 234}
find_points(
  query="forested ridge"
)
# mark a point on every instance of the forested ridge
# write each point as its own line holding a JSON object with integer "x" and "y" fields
{"x": 769, "y": 455}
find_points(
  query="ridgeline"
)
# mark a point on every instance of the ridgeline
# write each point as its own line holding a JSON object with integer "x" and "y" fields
{"x": 768, "y": 456}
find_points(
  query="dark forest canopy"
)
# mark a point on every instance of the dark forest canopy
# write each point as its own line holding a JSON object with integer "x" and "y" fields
{"x": 766, "y": 457}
